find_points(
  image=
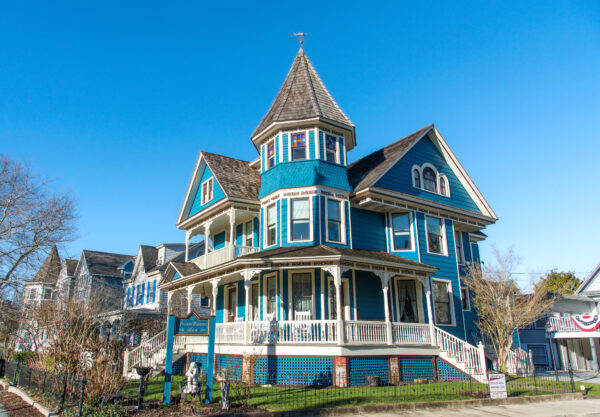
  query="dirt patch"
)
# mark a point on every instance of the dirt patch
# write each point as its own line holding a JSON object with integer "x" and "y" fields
{"x": 16, "y": 407}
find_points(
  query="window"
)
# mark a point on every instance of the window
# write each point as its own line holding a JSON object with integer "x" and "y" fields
{"x": 435, "y": 235}
{"x": 539, "y": 355}
{"x": 249, "y": 234}
{"x": 207, "y": 191}
{"x": 127, "y": 298}
{"x": 300, "y": 219}
{"x": 301, "y": 293}
{"x": 270, "y": 154}
{"x": 443, "y": 185}
{"x": 298, "y": 146}
{"x": 255, "y": 313}
{"x": 401, "y": 239}
{"x": 334, "y": 220}
{"x": 416, "y": 178}
{"x": 429, "y": 180}
{"x": 441, "y": 301}
{"x": 140, "y": 294}
{"x": 271, "y": 289}
{"x": 408, "y": 310}
{"x": 331, "y": 148}
{"x": 149, "y": 294}
{"x": 460, "y": 254}
{"x": 271, "y": 225}
{"x": 47, "y": 293}
{"x": 466, "y": 302}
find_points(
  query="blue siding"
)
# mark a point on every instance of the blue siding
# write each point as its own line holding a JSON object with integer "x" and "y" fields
{"x": 368, "y": 230}
{"x": 219, "y": 240}
{"x": 218, "y": 194}
{"x": 321, "y": 145}
{"x": 285, "y": 136}
{"x": 369, "y": 300}
{"x": 399, "y": 178}
{"x": 239, "y": 234}
{"x": 304, "y": 173}
{"x": 342, "y": 155}
{"x": 312, "y": 153}
{"x": 220, "y": 304}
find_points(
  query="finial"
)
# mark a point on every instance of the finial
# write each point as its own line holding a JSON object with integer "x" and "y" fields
{"x": 300, "y": 36}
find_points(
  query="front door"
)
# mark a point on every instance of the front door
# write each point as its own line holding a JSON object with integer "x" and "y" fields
{"x": 232, "y": 304}
{"x": 408, "y": 309}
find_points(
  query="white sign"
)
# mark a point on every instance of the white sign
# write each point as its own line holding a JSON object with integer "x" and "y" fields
{"x": 497, "y": 385}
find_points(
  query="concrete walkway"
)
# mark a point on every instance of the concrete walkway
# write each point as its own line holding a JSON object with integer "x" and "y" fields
{"x": 568, "y": 408}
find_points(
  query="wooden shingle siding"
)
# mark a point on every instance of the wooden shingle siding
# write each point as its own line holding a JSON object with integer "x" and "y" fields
{"x": 399, "y": 177}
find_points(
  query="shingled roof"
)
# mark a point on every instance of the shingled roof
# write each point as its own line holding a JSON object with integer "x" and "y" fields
{"x": 149, "y": 256}
{"x": 302, "y": 96}
{"x": 186, "y": 268}
{"x": 71, "y": 266}
{"x": 362, "y": 173}
{"x": 104, "y": 263}
{"x": 237, "y": 178}
{"x": 50, "y": 269}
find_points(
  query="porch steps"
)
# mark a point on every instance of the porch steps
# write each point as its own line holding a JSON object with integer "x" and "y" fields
{"x": 466, "y": 358}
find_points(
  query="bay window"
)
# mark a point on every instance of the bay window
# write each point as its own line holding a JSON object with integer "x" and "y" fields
{"x": 300, "y": 219}
{"x": 271, "y": 225}
{"x": 298, "y": 146}
{"x": 270, "y": 154}
{"x": 334, "y": 220}
{"x": 331, "y": 148}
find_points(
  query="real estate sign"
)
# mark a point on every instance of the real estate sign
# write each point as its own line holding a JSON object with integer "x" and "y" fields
{"x": 497, "y": 385}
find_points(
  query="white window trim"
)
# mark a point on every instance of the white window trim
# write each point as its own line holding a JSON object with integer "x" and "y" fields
{"x": 266, "y": 227}
{"x": 310, "y": 219}
{"x": 265, "y": 296}
{"x": 291, "y": 295}
{"x": 245, "y": 232}
{"x": 450, "y": 297}
{"x": 460, "y": 248}
{"x": 444, "y": 237}
{"x": 337, "y": 147}
{"x": 468, "y": 297}
{"x": 342, "y": 241}
{"x": 410, "y": 231}
{"x": 418, "y": 294}
{"x": 212, "y": 186}
{"x": 347, "y": 310}
{"x": 306, "y": 147}
{"x": 438, "y": 176}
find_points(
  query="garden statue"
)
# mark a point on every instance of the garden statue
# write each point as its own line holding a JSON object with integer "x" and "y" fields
{"x": 192, "y": 378}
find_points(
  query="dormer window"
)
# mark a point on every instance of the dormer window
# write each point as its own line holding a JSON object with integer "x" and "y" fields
{"x": 207, "y": 191}
{"x": 331, "y": 148}
{"x": 298, "y": 146}
{"x": 428, "y": 178}
{"x": 270, "y": 154}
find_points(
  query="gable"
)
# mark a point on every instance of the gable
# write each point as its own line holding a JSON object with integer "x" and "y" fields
{"x": 194, "y": 203}
{"x": 399, "y": 177}
{"x": 591, "y": 285}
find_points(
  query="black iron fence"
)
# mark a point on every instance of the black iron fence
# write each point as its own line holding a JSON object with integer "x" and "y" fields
{"x": 59, "y": 391}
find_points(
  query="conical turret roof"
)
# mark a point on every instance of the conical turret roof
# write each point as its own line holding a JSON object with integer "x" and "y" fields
{"x": 303, "y": 96}
{"x": 50, "y": 269}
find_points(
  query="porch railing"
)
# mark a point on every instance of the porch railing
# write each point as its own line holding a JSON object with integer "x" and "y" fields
{"x": 277, "y": 332}
{"x": 561, "y": 324}
{"x": 365, "y": 332}
{"x": 460, "y": 350}
{"x": 223, "y": 255}
{"x": 411, "y": 334}
{"x": 229, "y": 332}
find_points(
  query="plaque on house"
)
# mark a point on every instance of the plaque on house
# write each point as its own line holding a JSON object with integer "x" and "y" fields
{"x": 192, "y": 325}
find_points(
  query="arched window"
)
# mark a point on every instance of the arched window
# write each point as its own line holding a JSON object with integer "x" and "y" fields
{"x": 416, "y": 178}
{"x": 429, "y": 180}
{"x": 443, "y": 188}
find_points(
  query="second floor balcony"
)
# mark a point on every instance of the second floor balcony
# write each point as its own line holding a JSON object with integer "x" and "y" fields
{"x": 223, "y": 255}
{"x": 566, "y": 325}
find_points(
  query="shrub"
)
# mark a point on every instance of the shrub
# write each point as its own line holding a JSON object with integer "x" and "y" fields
{"x": 108, "y": 410}
{"x": 24, "y": 357}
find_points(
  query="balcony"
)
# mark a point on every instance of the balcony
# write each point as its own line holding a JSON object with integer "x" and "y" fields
{"x": 223, "y": 255}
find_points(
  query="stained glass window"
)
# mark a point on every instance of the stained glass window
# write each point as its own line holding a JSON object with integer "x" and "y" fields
{"x": 298, "y": 146}
{"x": 331, "y": 148}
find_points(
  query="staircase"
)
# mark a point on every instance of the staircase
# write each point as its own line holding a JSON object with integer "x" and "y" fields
{"x": 152, "y": 352}
{"x": 465, "y": 357}
{"x": 519, "y": 360}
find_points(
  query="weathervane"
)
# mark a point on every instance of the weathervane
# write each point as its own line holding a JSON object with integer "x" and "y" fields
{"x": 300, "y": 36}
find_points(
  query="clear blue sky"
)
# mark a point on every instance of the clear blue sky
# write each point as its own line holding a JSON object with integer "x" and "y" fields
{"x": 115, "y": 100}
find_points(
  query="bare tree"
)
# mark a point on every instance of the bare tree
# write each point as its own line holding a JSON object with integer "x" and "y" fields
{"x": 32, "y": 221}
{"x": 501, "y": 305}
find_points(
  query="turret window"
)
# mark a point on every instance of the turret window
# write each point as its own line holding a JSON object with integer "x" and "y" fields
{"x": 300, "y": 219}
{"x": 331, "y": 148}
{"x": 298, "y": 146}
{"x": 270, "y": 154}
{"x": 271, "y": 225}
{"x": 334, "y": 220}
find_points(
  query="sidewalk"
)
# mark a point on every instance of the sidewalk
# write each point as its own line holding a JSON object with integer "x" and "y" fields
{"x": 570, "y": 408}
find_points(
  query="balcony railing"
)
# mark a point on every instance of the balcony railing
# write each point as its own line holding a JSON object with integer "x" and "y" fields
{"x": 222, "y": 255}
{"x": 561, "y": 324}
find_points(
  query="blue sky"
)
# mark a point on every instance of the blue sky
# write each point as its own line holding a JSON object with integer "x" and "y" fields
{"x": 113, "y": 101}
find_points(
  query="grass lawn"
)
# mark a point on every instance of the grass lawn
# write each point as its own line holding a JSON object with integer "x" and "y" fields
{"x": 297, "y": 398}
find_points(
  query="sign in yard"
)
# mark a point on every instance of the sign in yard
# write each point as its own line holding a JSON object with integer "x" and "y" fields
{"x": 497, "y": 385}
{"x": 192, "y": 325}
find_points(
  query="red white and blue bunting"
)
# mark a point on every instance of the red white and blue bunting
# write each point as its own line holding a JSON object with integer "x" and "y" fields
{"x": 586, "y": 322}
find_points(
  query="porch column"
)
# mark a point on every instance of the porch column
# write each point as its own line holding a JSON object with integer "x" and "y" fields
{"x": 594, "y": 355}
{"x": 215, "y": 285}
{"x": 231, "y": 233}
{"x": 430, "y": 311}
{"x": 188, "y": 235}
{"x": 248, "y": 274}
{"x": 337, "y": 282}
{"x": 169, "y": 296}
{"x": 206, "y": 242}
{"x": 385, "y": 281}
{"x": 190, "y": 291}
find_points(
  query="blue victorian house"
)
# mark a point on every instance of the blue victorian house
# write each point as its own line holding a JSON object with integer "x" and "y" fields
{"x": 323, "y": 269}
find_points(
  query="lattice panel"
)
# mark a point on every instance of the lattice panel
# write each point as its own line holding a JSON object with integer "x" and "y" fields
{"x": 202, "y": 359}
{"x": 293, "y": 371}
{"x": 179, "y": 366}
{"x": 231, "y": 365}
{"x": 360, "y": 368}
{"x": 449, "y": 373}
{"x": 415, "y": 368}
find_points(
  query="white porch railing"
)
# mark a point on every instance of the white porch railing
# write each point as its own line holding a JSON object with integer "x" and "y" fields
{"x": 561, "y": 324}
{"x": 365, "y": 332}
{"x": 244, "y": 250}
{"x": 223, "y": 255}
{"x": 461, "y": 350}
{"x": 145, "y": 350}
{"x": 229, "y": 332}
{"x": 411, "y": 334}
{"x": 518, "y": 360}
{"x": 277, "y": 332}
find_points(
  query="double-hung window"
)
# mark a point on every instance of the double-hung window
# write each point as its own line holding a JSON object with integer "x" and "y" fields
{"x": 441, "y": 302}
{"x": 401, "y": 238}
{"x": 460, "y": 254}
{"x": 331, "y": 148}
{"x": 300, "y": 219}
{"x": 435, "y": 235}
{"x": 271, "y": 225}
{"x": 334, "y": 220}
{"x": 249, "y": 234}
{"x": 466, "y": 302}
{"x": 207, "y": 191}
{"x": 270, "y": 154}
{"x": 271, "y": 295}
{"x": 298, "y": 146}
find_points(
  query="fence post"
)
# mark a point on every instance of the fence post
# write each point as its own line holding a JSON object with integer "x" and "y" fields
{"x": 81, "y": 393}
{"x": 126, "y": 362}
{"x": 571, "y": 378}
{"x": 482, "y": 365}
{"x": 64, "y": 394}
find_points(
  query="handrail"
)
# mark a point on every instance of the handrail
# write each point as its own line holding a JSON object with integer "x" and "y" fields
{"x": 461, "y": 350}
{"x": 146, "y": 348}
